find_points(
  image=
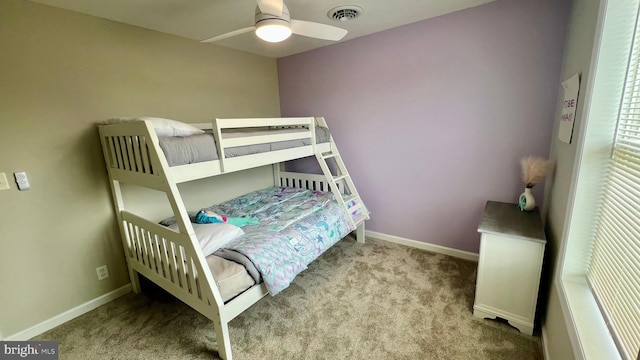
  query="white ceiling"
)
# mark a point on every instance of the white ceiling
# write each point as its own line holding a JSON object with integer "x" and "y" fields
{"x": 201, "y": 19}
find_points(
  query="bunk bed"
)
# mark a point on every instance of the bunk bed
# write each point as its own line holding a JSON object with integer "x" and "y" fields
{"x": 147, "y": 152}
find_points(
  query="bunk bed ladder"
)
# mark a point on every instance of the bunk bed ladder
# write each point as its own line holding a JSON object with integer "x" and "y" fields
{"x": 350, "y": 201}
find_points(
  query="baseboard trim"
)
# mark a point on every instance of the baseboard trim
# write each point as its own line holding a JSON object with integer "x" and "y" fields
{"x": 69, "y": 315}
{"x": 545, "y": 349}
{"x": 424, "y": 246}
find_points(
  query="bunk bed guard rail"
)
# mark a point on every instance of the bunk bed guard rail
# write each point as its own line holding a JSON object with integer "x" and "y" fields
{"x": 304, "y": 130}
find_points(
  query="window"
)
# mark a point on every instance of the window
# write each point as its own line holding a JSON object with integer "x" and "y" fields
{"x": 614, "y": 269}
{"x": 599, "y": 274}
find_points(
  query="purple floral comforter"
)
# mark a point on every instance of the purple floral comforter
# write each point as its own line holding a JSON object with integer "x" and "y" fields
{"x": 296, "y": 226}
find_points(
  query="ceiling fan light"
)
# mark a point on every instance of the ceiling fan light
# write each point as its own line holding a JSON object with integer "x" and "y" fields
{"x": 273, "y": 30}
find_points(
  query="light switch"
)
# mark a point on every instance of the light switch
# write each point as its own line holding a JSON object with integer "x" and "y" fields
{"x": 21, "y": 180}
{"x": 4, "y": 184}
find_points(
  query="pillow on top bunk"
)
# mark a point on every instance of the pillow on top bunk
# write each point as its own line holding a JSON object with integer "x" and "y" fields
{"x": 164, "y": 127}
{"x": 213, "y": 236}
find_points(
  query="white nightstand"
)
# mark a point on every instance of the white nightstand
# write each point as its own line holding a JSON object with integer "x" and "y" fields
{"x": 511, "y": 251}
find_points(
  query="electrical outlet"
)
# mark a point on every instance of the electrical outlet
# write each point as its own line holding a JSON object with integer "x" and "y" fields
{"x": 4, "y": 184}
{"x": 102, "y": 272}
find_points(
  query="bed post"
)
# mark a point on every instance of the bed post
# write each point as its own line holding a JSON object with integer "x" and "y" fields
{"x": 276, "y": 175}
{"x": 360, "y": 233}
{"x": 222, "y": 338}
{"x": 119, "y": 202}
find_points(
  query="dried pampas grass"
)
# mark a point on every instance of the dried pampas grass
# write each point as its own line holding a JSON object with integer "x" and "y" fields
{"x": 534, "y": 169}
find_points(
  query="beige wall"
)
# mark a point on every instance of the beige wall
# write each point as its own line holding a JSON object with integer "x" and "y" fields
{"x": 577, "y": 59}
{"x": 60, "y": 74}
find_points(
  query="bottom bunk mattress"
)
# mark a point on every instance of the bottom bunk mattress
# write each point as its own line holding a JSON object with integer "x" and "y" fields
{"x": 294, "y": 226}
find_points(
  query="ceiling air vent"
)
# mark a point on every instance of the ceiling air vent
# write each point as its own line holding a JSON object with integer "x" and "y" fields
{"x": 344, "y": 13}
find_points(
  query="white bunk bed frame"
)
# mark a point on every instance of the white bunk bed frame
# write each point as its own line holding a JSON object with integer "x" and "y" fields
{"x": 174, "y": 260}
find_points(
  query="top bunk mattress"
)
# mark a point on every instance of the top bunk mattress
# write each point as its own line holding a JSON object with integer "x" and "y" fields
{"x": 182, "y": 150}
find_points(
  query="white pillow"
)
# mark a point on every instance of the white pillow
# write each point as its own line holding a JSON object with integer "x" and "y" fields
{"x": 164, "y": 127}
{"x": 213, "y": 236}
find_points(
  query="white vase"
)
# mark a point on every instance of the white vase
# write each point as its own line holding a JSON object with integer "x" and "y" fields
{"x": 527, "y": 202}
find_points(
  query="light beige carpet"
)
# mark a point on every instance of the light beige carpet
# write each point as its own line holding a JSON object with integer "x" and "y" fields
{"x": 376, "y": 300}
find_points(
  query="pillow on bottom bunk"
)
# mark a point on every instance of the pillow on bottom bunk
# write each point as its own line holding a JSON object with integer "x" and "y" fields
{"x": 213, "y": 236}
{"x": 231, "y": 278}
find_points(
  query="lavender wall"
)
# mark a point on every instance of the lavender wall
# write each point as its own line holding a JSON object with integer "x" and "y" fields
{"x": 432, "y": 118}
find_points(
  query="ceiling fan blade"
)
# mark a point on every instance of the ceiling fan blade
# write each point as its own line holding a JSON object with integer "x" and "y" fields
{"x": 317, "y": 30}
{"x": 229, "y": 34}
{"x": 271, "y": 7}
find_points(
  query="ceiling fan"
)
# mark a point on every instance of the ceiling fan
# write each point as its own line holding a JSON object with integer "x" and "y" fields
{"x": 274, "y": 24}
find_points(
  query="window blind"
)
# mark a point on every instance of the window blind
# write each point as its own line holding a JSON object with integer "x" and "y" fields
{"x": 614, "y": 270}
